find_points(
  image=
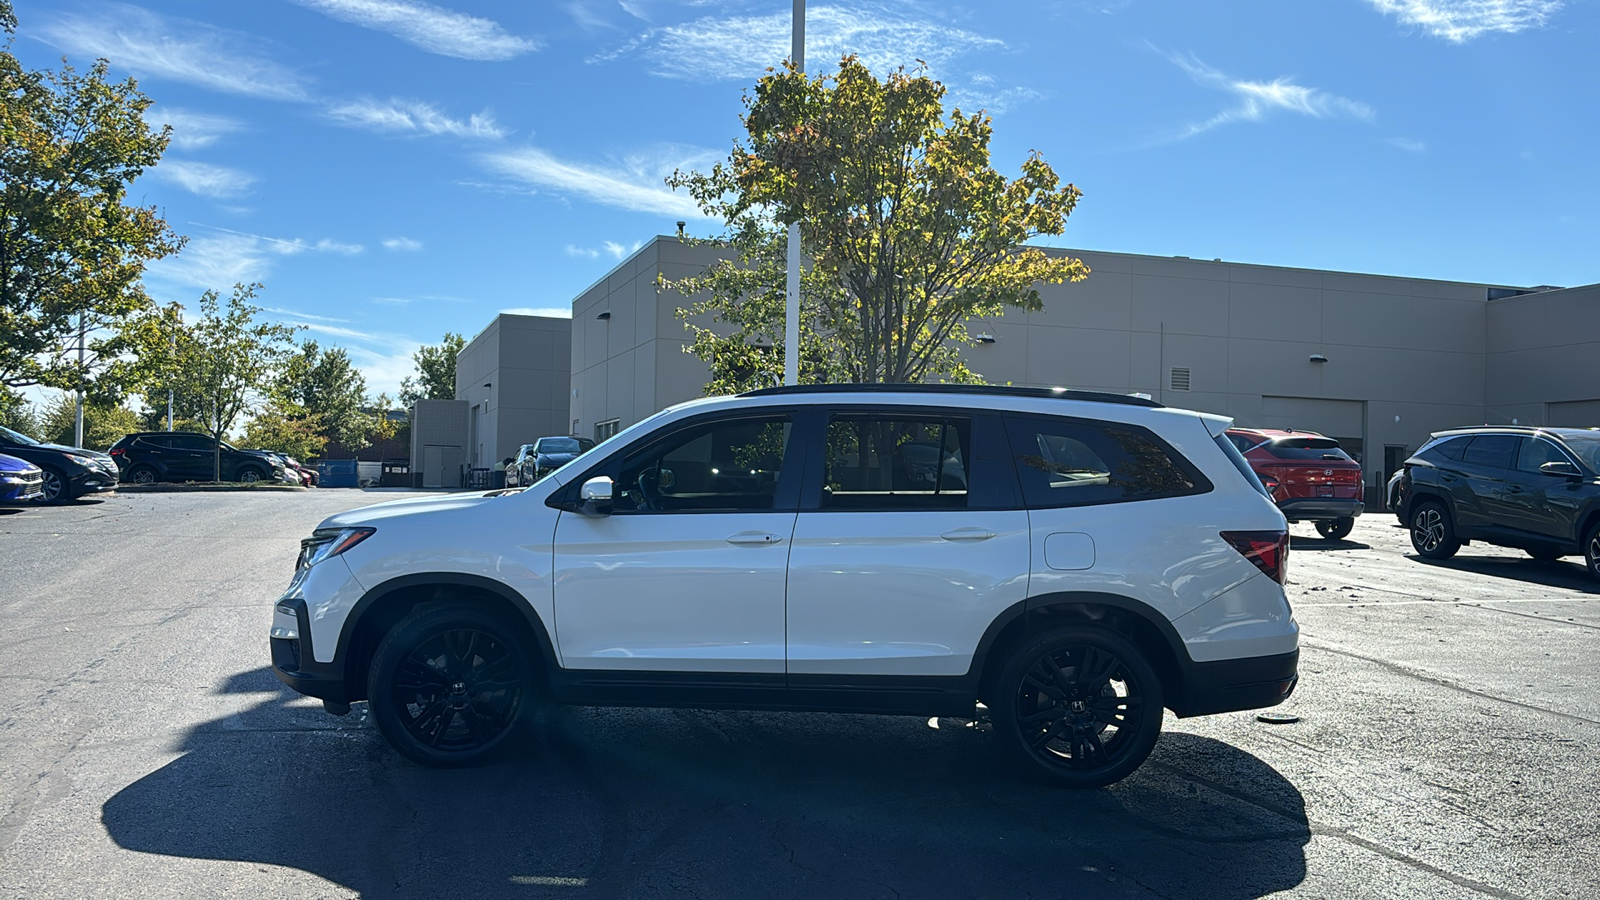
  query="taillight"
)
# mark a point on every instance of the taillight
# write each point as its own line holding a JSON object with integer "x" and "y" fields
{"x": 119, "y": 451}
{"x": 1269, "y": 550}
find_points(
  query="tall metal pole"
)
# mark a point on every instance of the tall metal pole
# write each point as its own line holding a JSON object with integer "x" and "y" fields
{"x": 169, "y": 386}
{"x": 77, "y": 430}
{"x": 791, "y": 312}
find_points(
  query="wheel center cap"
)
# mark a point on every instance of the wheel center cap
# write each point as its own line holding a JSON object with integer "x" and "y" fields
{"x": 459, "y": 687}
{"x": 1078, "y": 706}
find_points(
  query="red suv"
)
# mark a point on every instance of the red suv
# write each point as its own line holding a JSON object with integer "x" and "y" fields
{"x": 1309, "y": 477}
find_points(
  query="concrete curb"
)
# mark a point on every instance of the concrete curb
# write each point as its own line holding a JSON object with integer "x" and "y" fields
{"x": 200, "y": 487}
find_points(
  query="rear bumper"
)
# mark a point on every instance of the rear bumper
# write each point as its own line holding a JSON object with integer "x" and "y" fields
{"x": 1311, "y": 509}
{"x": 1231, "y": 685}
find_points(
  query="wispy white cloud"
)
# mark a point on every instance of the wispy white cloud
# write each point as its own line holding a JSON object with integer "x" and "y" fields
{"x": 296, "y": 314}
{"x": 553, "y": 312}
{"x": 582, "y": 252}
{"x": 1407, "y": 144}
{"x": 192, "y": 130}
{"x": 1255, "y": 100}
{"x": 222, "y": 257}
{"x": 633, "y": 183}
{"x": 205, "y": 179}
{"x": 621, "y": 251}
{"x": 384, "y": 358}
{"x": 413, "y": 116}
{"x": 1459, "y": 21}
{"x": 742, "y": 47}
{"x": 161, "y": 47}
{"x": 429, "y": 27}
{"x": 402, "y": 244}
{"x": 422, "y": 298}
{"x": 980, "y": 91}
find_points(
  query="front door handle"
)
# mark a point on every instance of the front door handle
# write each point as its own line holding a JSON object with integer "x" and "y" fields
{"x": 968, "y": 534}
{"x": 756, "y": 538}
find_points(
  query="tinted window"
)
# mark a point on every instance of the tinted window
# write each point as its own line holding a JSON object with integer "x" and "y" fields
{"x": 883, "y": 461}
{"x": 727, "y": 465}
{"x": 558, "y": 445}
{"x": 1307, "y": 448}
{"x": 1535, "y": 452}
{"x": 192, "y": 442}
{"x": 1587, "y": 449}
{"x": 1244, "y": 443}
{"x": 1491, "y": 450}
{"x": 16, "y": 437}
{"x": 1067, "y": 463}
{"x": 1230, "y": 447}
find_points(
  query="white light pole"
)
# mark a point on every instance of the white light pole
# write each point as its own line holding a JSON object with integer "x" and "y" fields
{"x": 791, "y": 312}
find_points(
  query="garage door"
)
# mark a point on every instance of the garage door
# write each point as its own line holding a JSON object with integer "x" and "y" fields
{"x": 1573, "y": 414}
{"x": 1342, "y": 420}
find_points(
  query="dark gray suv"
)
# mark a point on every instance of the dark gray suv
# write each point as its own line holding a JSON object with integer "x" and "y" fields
{"x": 1536, "y": 489}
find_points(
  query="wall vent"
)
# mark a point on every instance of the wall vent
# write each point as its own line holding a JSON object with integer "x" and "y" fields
{"x": 1180, "y": 378}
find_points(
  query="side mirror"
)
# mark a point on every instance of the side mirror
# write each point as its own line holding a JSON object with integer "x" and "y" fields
{"x": 596, "y": 496}
{"x": 1561, "y": 468}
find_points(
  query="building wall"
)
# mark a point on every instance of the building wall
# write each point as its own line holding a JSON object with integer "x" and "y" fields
{"x": 526, "y": 363}
{"x": 1541, "y": 361}
{"x": 438, "y": 438}
{"x": 1405, "y": 356}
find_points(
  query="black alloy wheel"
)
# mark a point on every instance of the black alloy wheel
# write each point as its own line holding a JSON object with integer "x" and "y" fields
{"x": 142, "y": 475}
{"x": 54, "y": 487}
{"x": 251, "y": 475}
{"x": 1336, "y": 529}
{"x": 1433, "y": 536}
{"x": 449, "y": 685}
{"x": 1079, "y": 707}
{"x": 1591, "y": 550}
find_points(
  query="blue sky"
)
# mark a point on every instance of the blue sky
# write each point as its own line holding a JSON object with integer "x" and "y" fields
{"x": 392, "y": 169}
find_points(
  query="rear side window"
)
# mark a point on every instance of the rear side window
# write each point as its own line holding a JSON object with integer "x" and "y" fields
{"x": 1494, "y": 451}
{"x": 883, "y": 461}
{"x": 1307, "y": 448}
{"x": 1447, "y": 450}
{"x": 1230, "y": 448}
{"x": 1067, "y": 462}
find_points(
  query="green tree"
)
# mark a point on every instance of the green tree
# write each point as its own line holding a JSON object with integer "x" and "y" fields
{"x": 72, "y": 252}
{"x": 16, "y": 413}
{"x": 436, "y": 371}
{"x": 287, "y": 429}
{"x": 226, "y": 359}
{"x": 104, "y": 422}
{"x": 908, "y": 230}
{"x": 328, "y": 391}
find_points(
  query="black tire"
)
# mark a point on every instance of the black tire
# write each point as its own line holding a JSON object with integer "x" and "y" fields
{"x": 142, "y": 475}
{"x": 1433, "y": 535}
{"x": 57, "y": 489}
{"x": 250, "y": 475}
{"x": 1591, "y": 550}
{"x": 1336, "y": 529}
{"x": 1096, "y": 682}
{"x": 424, "y": 686}
{"x": 1545, "y": 554}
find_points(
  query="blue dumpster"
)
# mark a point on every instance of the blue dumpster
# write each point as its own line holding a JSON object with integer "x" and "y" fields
{"x": 337, "y": 473}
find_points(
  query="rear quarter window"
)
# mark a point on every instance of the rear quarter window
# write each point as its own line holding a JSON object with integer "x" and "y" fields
{"x": 1072, "y": 462}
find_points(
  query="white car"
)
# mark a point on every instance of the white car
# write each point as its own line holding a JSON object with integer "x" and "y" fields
{"x": 1074, "y": 562}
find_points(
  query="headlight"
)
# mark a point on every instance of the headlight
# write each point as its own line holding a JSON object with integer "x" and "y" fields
{"x": 85, "y": 461}
{"x": 328, "y": 542}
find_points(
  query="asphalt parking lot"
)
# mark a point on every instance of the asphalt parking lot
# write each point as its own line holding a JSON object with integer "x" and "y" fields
{"x": 1445, "y": 749}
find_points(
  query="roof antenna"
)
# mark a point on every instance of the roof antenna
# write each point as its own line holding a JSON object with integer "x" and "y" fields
{"x": 681, "y": 223}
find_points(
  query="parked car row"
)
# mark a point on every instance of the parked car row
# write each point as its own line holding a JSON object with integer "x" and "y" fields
{"x": 1308, "y": 475}
{"x": 1534, "y": 489}
{"x": 538, "y": 459}
{"x": 64, "y": 472}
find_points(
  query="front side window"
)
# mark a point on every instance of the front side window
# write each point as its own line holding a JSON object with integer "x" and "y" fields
{"x": 886, "y": 461}
{"x": 1535, "y": 452}
{"x": 1587, "y": 448}
{"x": 1071, "y": 463}
{"x": 727, "y": 465}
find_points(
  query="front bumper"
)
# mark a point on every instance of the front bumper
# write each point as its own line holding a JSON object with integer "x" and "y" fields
{"x": 93, "y": 481}
{"x": 293, "y": 660}
{"x": 1231, "y": 685}
{"x": 24, "y": 487}
{"x": 1314, "y": 509}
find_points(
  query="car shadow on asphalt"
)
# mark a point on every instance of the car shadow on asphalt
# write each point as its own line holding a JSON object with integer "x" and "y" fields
{"x": 621, "y": 802}
{"x": 1568, "y": 574}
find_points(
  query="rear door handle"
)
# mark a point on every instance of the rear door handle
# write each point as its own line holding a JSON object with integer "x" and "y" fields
{"x": 757, "y": 538}
{"x": 968, "y": 534}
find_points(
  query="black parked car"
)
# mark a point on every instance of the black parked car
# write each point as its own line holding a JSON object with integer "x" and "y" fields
{"x": 69, "y": 472}
{"x": 538, "y": 459}
{"x": 150, "y": 456}
{"x": 1536, "y": 489}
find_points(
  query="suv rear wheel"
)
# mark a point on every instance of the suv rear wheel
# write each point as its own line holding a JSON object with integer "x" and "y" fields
{"x": 1591, "y": 550}
{"x": 449, "y": 685}
{"x": 1078, "y": 706}
{"x": 1336, "y": 529}
{"x": 1432, "y": 534}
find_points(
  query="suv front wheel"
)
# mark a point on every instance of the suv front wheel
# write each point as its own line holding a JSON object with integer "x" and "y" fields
{"x": 1078, "y": 706}
{"x": 449, "y": 685}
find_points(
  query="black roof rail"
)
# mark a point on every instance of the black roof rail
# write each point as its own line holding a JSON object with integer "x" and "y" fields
{"x": 1002, "y": 390}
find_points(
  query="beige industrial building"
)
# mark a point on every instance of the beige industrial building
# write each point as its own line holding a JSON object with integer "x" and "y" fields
{"x": 1375, "y": 361}
{"x": 513, "y": 379}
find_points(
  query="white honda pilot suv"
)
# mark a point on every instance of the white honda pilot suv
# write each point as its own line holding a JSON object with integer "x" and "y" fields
{"x": 1075, "y": 562}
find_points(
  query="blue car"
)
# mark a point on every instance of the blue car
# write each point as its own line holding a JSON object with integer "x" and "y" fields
{"x": 20, "y": 480}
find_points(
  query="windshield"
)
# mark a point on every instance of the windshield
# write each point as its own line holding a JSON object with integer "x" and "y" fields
{"x": 18, "y": 437}
{"x": 1308, "y": 448}
{"x": 558, "y": 445}
{"x": 1587, "y": 448}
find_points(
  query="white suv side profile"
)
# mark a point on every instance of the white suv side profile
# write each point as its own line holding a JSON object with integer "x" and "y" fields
{"x": 1075, "y": 562}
